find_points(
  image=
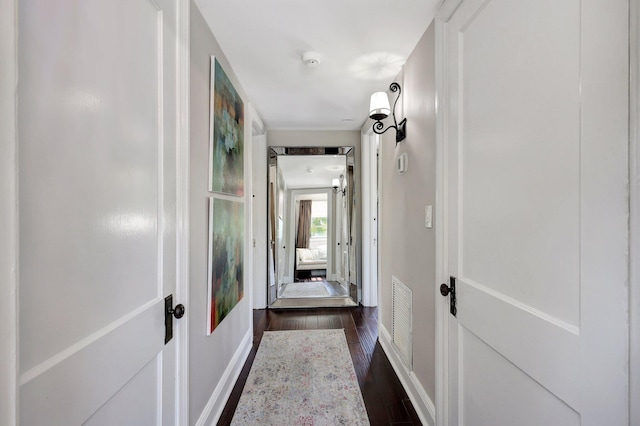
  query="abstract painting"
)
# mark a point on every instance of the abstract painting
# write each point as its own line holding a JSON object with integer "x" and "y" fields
{"x": 226, "y": 245}
{"x": 226, "y": 130}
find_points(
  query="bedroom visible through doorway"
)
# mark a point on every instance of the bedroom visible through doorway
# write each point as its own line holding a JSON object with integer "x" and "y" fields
{"x": 311, "y": 237}
{"x": 313, "y": 223}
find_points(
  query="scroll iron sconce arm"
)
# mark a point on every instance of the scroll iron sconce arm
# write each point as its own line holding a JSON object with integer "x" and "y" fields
{"x": 401, "y": 128}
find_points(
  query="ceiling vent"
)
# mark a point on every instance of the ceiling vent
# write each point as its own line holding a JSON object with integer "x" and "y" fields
{"x": 311, "y": 59}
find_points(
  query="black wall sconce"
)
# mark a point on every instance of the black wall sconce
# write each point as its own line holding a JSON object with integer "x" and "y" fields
{"x": 379, "y": 110}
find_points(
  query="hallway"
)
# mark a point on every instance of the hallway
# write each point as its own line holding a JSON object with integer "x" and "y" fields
{"x": 385, "y": 399}
{"x": 493, "y": 233}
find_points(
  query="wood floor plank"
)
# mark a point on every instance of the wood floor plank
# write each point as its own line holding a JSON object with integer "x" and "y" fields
{"x": 352, "y": 335}
{"x": 373, "y": 401}
{"x": 413, "y": 415}
{"x": 312, "y": 322}
{"x": 367, "y": 339}
{"x": 294, "y": 323}
{"x": 275, "y": 321}
{"x": 329, "y": 322}
{"x": 384, "y": 397}
{"x": 360, "y": 362}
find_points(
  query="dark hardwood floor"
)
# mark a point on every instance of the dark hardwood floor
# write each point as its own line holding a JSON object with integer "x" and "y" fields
{"x": 384, "y": 397}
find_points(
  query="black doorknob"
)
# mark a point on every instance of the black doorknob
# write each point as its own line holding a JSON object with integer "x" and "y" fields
{"x": 444, "y": 290}
{"x": 178, "y": 311}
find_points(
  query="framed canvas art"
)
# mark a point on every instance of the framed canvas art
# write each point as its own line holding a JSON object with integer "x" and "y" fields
{"x": 226, "y": 258}
{"x": 226, "y": 135}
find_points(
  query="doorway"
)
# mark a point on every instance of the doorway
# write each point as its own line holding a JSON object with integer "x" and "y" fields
{"x": 311, "y": 208}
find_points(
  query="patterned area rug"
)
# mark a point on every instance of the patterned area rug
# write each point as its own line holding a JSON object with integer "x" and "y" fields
{"x": 305, "y": 289}
{"x": 303, "y": 378}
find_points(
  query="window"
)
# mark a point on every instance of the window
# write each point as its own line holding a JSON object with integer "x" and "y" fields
{"x": 318, "y": 227}
{"x": 319, "y": 223}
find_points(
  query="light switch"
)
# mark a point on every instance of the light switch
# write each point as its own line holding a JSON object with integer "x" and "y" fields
{"x": 402, "y": 163}
{"x": 428, "y": 216}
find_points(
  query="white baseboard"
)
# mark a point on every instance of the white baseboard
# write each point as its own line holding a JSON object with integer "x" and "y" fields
{"x": 213, "y": 410}
{"x": 421, "y": 402}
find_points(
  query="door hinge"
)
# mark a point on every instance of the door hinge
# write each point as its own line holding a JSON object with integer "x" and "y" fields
{"x": 450, "y": 291}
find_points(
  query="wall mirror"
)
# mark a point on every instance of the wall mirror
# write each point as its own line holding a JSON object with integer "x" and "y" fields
{"x": 311, "y": 227}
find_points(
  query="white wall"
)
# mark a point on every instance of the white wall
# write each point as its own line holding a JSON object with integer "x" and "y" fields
{"x": 214, "y": 360}
{"x": 8, "y": 216}
{"x": 407, "y": 248}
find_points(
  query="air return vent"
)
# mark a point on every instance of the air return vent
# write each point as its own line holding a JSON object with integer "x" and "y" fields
{"x": 402, "y": 306}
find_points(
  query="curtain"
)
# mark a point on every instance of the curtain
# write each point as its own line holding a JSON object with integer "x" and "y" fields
{"x": 304, "y": 225}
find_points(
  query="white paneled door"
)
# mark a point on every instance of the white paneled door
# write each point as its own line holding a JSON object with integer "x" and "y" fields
{"x": 536, "y": 202}
{"x": 97, "y": 209}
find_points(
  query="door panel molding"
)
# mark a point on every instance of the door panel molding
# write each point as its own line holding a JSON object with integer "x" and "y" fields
{"x": 558, "y": 347}
{"x": 54, "y": 383}
{"x": 98, "y": 258}
{"x": 573, "y": 359}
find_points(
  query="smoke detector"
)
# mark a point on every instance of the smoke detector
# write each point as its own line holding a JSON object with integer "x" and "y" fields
{"x": 311, "y": 59}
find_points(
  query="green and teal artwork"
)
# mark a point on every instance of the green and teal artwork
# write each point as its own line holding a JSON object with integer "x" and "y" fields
{"x": 226, "y": 145}
{"x": 226, "y": 245}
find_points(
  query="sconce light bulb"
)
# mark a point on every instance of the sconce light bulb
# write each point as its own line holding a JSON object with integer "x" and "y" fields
{"x": 379, "y": 108}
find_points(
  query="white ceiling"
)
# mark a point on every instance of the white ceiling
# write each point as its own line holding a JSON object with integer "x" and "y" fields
{"x": 363, "y": 44}
{"x": 311, "y": 171}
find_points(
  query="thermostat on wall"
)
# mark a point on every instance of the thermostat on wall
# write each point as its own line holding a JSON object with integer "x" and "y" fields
{"x": 402, "y": 163}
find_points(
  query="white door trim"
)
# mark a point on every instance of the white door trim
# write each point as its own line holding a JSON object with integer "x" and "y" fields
{"x": 258, "y": 221}
{"x": 8, "y": 214}
{"x": 182, "y": 213}
{"x": 248, "y": 210}
{"x": 441, "y": 217}
{"x": 369, "y": 217}
{"x": 634, "y": 204}
{"x": 293, "y": 222}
